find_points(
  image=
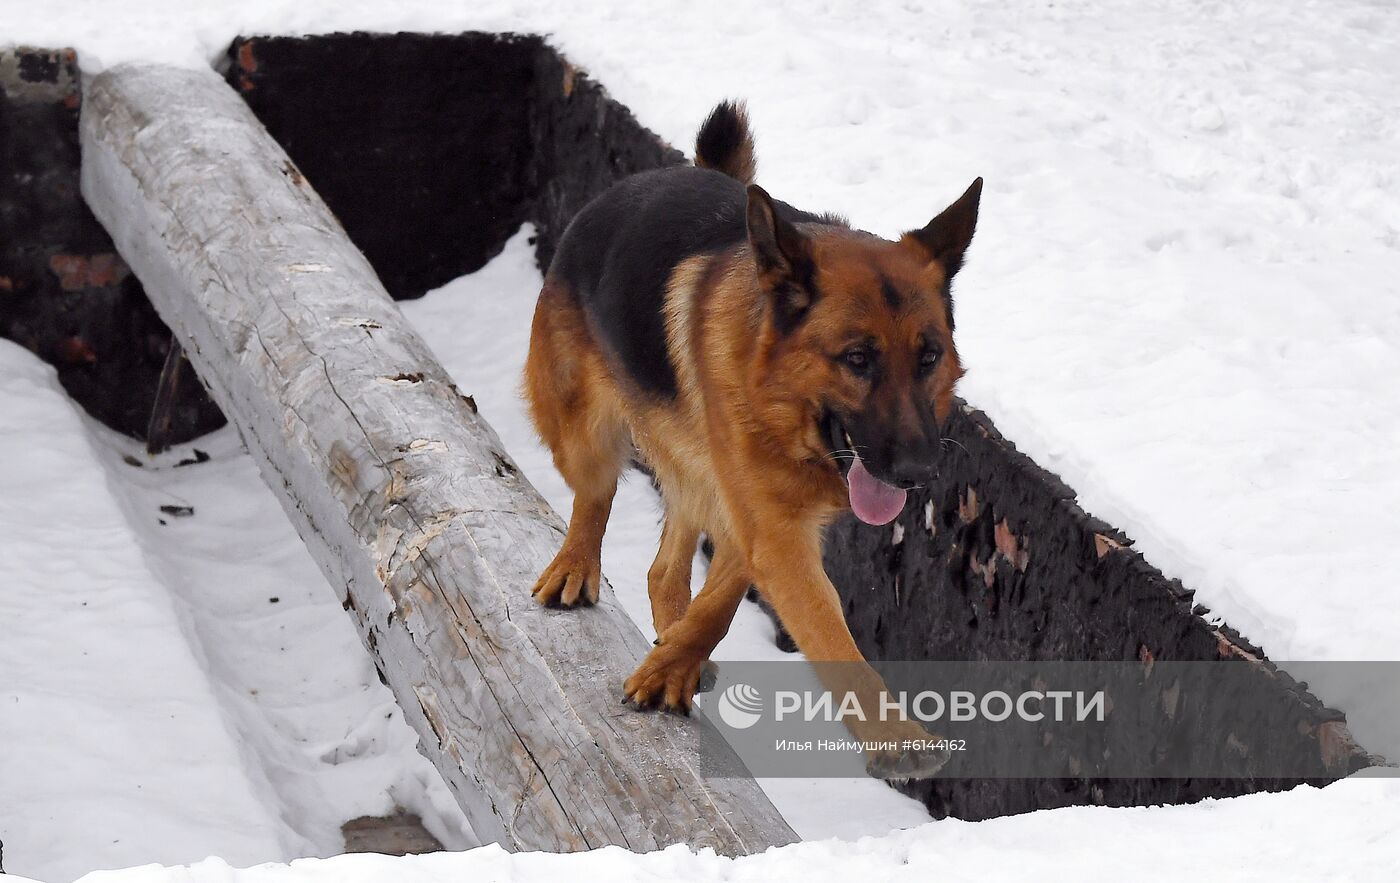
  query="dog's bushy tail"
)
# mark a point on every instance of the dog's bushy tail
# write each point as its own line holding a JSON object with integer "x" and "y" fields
{"x": 725, "y": 143}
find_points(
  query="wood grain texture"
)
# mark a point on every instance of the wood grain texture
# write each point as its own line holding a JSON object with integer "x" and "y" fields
{"x": 414, "y": 511}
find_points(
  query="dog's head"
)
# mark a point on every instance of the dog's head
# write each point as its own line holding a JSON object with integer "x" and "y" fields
{"x": 861, "y": 353}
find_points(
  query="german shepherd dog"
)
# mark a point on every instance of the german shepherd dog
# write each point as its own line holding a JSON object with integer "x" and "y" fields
{"x": 772, "y": 368}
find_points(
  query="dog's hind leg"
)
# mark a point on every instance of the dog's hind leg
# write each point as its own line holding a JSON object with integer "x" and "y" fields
{"x": 668, "y": 581}
{"x": 575, "y": 407}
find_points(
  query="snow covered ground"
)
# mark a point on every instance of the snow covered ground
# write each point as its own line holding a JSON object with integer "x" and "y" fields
{"x": 1184, "y": 297}
{"x": 1344, "y": 832}
{"x": 174, "y": 686}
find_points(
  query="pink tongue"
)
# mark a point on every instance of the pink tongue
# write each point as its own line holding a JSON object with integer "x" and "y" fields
{"x": 873, "y": 501}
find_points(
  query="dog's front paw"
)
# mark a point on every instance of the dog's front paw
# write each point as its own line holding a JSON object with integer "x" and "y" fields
{"x": 668, "y": 677}
{"x": 572, "y": 578}
{"x": 915, "y": 758}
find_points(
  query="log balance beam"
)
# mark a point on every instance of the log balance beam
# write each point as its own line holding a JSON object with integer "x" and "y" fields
{"x": 404, "y": 495}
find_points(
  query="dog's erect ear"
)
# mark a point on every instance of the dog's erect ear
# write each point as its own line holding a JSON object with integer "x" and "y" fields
{"x": 783, "y": 258}
{"x": 946, "y": 237}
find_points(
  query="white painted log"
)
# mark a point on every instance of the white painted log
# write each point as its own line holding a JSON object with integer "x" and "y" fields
{"x": 405, "y": 496}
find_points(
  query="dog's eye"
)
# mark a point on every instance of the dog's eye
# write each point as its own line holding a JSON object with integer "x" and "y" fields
{"x": 929, "y": 360}
{"x": 858, "y": 360}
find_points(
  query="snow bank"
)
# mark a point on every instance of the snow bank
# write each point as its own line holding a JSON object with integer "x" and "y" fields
{"x": 101, "y": 699}
{"x": 1345, "y": 831}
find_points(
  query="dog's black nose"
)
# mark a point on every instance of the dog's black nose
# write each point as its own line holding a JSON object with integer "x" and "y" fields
{"x": 913, "y": 466}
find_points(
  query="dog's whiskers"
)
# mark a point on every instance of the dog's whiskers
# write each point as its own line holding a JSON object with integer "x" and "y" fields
{"x": 846, "y": 454}
{"x": 952, "y": 441}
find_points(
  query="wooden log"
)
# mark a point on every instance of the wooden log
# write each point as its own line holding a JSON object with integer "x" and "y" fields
{"x": 416, "y": 514}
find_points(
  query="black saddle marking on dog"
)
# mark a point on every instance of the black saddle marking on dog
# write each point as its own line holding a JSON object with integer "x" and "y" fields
{"x": 621, "y": 249}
